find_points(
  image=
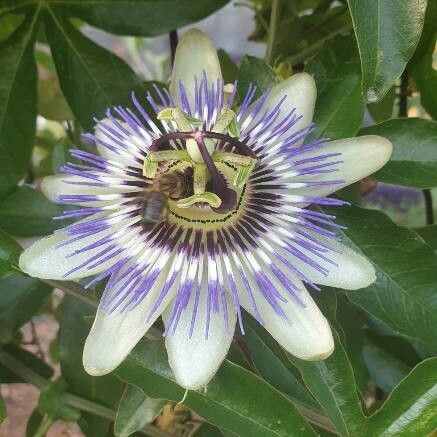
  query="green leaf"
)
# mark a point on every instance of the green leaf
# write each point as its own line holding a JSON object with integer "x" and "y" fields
{"x": 17, "y": 103}
{"x": 350, "y": 322}
{"x": 91, "y": 78}
{"x": 228, "y": 67}
{"x": 385, "y": 370}
{"x": 28, "y": 359}
{"x": 92, "y": 425}
{"x": 208, "y": 430}
{"x": 20, "y": 298}
{"x": 135, "y": 411}
{"x": 332, "y": 381}
{"x": 34, "y": 423}
{"x": 340, "y": 106}
{"x": 429, "y": 234}
{"x": 383, "y": 110}
{"x": 228, "y": 400}
{"x": 421, "y": 65}
{"x": 301, "y": 36}
{"x": 271, "y": 362}
{"x": 403, "y": 293}
{"x": 256, "y": 72}
{"x": 3, "y": 412}
{"x": 412, "y": 166}
{"x": 9, "y": 253}
{"x": 27, "y": 212}
{"x": 411, "y": 409}
{"x": 75, "y": 323}
{"x": 8, "y": 23}
{"x": 143, "y": 18}
{"x": 51, "y": 402}
{"x": 387, "y": 33}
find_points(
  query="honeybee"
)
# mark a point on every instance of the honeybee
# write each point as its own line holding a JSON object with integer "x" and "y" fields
{"x": 172, "y": 185}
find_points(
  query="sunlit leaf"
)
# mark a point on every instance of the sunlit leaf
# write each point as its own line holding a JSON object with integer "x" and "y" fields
{"x": 411, "y": 409}
{"x": 387, "y": 33}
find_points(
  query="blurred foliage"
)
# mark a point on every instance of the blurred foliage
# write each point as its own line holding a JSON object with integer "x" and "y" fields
{"x": 374, "y": 65}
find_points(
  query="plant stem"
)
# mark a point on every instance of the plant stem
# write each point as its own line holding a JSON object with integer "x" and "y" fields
{"x": 173, "y": 35}
{"x": 73, "y": 289}
{"x": 31, "y": 377}
{"x": 45, "y": 425}
{"x": 403, "y": 95}
{"x": 429, "y": 211}
{"x": 21, "y": 369}
{"x": 274, "y": 18}
{"x": 403, "y": 112}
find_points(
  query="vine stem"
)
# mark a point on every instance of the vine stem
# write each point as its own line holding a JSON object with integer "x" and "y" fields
{"x": 30, "y": 376}
{"x": 429, "y": 210}
{"x": 45, "y": 425}
{"x": 274, "y": 18}
{"x": 173, "y": 35}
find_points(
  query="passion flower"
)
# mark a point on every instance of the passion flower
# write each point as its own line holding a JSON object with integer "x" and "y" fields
{"x": 235, "y": 229}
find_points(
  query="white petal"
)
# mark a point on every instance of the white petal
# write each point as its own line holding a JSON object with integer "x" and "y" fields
{"x": 114, "y": 335}
{"x": 124, "y": 157}
{"x": 44, "y": 260}
{"x": 61, "y": 184}
{"x": 195, "y": 55}
{"x": 361, "y": 157}
{"x": 300, "y": 91}
{"x": 195, "y": 360}
{"x": 353, "y": 271}
{"x": 306, "y": 334}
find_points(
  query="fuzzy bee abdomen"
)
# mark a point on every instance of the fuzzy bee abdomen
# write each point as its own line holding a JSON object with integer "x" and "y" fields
{"x": 154, "y": 209}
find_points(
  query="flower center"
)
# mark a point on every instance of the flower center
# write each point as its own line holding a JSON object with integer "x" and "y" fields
{"x": 203, "y": 151}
